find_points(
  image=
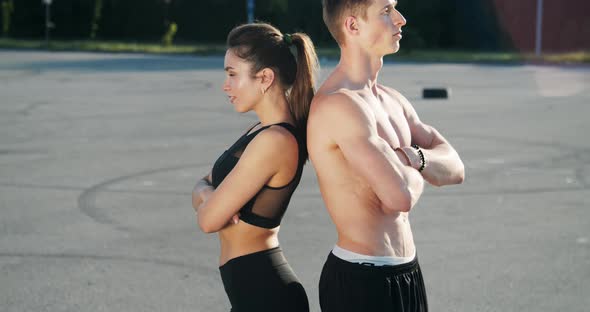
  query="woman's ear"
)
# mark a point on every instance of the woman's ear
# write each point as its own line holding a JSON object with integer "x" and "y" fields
{"x": 267, "y": 78}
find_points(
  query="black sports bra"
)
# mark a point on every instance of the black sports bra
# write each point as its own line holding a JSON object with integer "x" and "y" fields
{"x": 267, "y": 207}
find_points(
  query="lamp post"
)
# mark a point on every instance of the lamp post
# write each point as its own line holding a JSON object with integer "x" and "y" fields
{"x": 48, "y": 23}
{"x": 250, "y": 8}
{"x": 166, "y": 12}
{"x": 539, "y": 32}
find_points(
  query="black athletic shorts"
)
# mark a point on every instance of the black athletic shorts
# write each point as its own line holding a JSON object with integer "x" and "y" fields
{"x": 346, "y": 287}
{"x": 263, "y": 281}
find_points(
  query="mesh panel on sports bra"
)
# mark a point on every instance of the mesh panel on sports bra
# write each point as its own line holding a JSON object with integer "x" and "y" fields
{"x": 268, "y": 206}
{"x": 272, "y": 203}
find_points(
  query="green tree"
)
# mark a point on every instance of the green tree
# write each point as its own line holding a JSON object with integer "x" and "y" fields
{"x": 7, "y": 9}
{"x": 96, "y": 18}
{"x": 169, "y": 35}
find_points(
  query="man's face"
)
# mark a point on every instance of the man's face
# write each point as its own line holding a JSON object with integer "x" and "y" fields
{"x": 380, "y": 33}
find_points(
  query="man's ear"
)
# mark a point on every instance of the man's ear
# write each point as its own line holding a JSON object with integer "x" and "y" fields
{"x": 351, "y": 25}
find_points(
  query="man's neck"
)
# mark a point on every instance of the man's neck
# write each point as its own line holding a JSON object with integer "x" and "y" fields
{"x": 360, "y": 68}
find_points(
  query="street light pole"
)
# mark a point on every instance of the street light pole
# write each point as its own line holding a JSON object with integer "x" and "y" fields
{"x": 166, "y": 13}
{"x": 47, "y": 21}
{"x": 250, "y": 8}
{"x": 539, "y": 33}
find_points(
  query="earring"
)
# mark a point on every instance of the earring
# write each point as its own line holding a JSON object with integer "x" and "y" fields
{"x": 263, "y": 91}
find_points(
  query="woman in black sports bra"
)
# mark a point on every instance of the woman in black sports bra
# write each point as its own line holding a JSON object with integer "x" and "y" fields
{"x": 253, "y": 180}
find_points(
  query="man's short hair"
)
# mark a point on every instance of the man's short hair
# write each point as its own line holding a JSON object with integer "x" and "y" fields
{"x": 335, "y": 10}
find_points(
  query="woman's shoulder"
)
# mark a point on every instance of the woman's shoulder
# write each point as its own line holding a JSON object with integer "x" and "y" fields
{"x": 277, "y": 138}
{"x": 270, "y": 148}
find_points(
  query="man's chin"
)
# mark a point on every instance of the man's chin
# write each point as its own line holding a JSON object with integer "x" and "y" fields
{"x": 393, "y": 50}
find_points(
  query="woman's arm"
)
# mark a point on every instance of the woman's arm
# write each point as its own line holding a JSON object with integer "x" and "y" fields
{"x": 261, "y": 160}
{"x": 202, "y": 190}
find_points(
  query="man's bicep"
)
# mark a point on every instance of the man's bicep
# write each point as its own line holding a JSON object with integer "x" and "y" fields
{"x": 426, "y": 136}
{"x": 353, "y": 130}
{"x": 373, "y": 159}
{"x": 422, "y": 134}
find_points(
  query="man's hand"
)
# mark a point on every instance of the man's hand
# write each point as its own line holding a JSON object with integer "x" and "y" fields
{"x": 413, "y": 157}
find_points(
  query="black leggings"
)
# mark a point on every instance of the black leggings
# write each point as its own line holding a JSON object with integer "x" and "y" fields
{"x": 347, "y": 287}
{"x": 263, "y": 281}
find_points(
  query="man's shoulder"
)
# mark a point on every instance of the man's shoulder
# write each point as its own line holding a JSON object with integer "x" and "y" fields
{"x": 338, "y": 112}
{"x": 390, "y": 91}
{"x": 326, "y": 101}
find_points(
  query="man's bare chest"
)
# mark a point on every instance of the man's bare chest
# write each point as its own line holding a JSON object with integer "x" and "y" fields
{"x": 391, "y": 123}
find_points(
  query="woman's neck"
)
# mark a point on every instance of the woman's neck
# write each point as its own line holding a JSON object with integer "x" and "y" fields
{"x": 273, "y": 109}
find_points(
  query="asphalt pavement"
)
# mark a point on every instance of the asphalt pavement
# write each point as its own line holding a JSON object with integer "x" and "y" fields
{"x": 99, "y": 154}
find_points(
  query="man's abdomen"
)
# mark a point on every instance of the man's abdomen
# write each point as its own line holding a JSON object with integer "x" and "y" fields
{"x": 362, "y": 225}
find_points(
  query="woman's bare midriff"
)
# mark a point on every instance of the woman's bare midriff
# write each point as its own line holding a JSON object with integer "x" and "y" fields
{"x": 242, "y": 239}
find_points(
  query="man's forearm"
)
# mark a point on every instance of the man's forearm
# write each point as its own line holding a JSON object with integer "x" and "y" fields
{"x": 443, "y": 166}
{"x": 414, "y": 184}
{"x": 408, "y": 190}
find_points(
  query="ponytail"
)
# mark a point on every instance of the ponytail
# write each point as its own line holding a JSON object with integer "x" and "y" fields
{"x": 264, "y": 46}
{"x": 303, "y": 88}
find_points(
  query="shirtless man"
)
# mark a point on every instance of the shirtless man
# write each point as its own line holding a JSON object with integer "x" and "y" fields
{"x": 372, "y": 154}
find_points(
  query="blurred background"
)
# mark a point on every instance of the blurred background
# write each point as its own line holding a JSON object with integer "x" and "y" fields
{"x": 474, "y": 25}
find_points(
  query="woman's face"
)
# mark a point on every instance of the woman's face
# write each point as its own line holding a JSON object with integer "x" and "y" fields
{"x": 243, "y": 90}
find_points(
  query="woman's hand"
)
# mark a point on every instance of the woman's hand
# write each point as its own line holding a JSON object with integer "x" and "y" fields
{"x": 203, "y": 189}
{"x": 234, "y": 220}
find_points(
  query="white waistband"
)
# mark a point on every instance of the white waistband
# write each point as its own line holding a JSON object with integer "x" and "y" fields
{"x": 354, "y": 257}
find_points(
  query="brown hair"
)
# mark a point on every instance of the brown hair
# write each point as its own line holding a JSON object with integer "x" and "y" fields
{"x": 335, "y": 10}
{"x": 264, "y": 46}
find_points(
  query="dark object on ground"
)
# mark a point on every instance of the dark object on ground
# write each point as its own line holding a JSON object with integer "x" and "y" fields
{"x": 436, "y": 93}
